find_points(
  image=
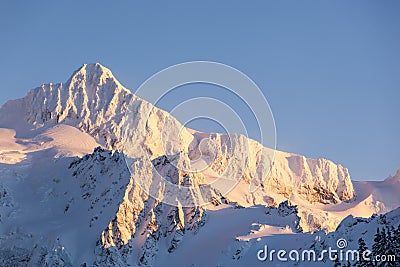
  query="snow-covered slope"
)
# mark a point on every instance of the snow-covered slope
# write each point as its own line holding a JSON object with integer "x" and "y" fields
{"x": 48, "y": 206}
{"x": 243, "y": 251}
{"x": 383, "y": 196}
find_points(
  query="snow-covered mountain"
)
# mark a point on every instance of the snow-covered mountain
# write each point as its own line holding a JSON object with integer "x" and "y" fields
{"x": 93, "y": 101}
{"x": 67, "y": 196}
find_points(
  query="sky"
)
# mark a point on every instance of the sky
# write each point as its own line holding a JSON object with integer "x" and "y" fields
{"x": 330, "y": 70}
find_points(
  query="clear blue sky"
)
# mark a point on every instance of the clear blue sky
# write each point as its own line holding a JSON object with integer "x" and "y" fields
{"x": 329, "y": 69}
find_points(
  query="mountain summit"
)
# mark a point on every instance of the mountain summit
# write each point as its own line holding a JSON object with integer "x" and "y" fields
{"x": 92, "y": 100}
{"x": 93, "y": 75}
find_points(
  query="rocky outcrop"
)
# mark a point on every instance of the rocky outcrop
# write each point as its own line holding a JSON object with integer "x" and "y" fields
{"x": 316, "y": 180}
{"x": 140, "y": 220}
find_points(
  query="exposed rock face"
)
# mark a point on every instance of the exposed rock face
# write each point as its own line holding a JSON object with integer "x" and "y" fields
{"x": 285, "y": 209}
{"x": 317, "y": 180}
{"x": 140, "y": 220}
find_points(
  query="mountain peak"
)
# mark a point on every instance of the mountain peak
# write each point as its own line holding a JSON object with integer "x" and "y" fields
{"x": 92, "y": 100}
{"x": 93, "y": 68}
{"x": 95, "y": 73}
